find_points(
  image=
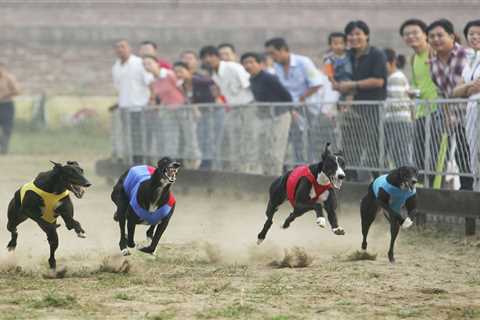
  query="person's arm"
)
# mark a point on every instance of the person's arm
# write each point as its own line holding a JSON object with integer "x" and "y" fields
{"x": 13, "y": 88}
{"x": 461, "y": 90}
{"x": 314, "y": 79}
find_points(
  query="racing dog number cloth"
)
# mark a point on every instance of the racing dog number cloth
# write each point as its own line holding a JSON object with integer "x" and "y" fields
{"x": 50, "y": 200}
{"x": 398, "y": 197}
{"x": 136, "y": 175}
{"x": 294, "y": 178}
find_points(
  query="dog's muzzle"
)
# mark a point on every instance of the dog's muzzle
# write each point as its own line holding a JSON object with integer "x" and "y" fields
{"x": 78, "y": 190}
{"x": 171, "y": 173}
{"x": 337, "y": 180}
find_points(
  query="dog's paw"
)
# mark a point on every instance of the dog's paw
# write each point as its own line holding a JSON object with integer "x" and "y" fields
{"x": 338, "y": 231}
{"x": 125, "y": 252}
{"x": 407, "y": 223}
{"x": 131, "y": 244}
{"x": 146, "y": 250}
{"x": 81, "y": 234}
{"x": 259, "y": 241}
{"x": 321, "y": 222}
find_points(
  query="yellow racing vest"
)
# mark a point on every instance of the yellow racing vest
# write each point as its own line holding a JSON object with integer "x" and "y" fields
{"x": 50, "y": 200}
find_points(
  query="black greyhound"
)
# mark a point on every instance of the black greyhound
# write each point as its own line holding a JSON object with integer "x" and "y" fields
{"x": 390, "y": 192}
{"x": 46, "y": 198}
{"x": 308, "y": 188}
{"x": 142, "y": 196}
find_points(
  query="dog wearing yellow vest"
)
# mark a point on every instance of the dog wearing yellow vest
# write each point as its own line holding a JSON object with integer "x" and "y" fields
{"x": 45, "y": 199}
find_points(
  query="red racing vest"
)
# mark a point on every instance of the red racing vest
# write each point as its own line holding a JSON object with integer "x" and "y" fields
{"x": 294, "y": 178}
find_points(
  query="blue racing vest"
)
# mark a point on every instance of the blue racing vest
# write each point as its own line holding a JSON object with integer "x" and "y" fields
{"x": 136, "y": 175}
{"x": 398, "y": 197}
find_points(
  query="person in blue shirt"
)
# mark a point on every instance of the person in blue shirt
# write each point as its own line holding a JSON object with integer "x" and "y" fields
{"x": 299, "y": 75}
{"x": 390, "y": 193}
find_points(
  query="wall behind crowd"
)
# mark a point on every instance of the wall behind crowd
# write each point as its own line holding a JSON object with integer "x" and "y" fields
{"x": 66, "y": 48}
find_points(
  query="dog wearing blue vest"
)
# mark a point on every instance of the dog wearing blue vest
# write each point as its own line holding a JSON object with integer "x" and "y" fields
{"x": 390, "y": 193}
{"x": 142, "y": 196}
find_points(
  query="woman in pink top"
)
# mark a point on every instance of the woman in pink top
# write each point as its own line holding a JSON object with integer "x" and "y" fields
{"x": 164, "y": 87}
{"x": 175, "y": 127}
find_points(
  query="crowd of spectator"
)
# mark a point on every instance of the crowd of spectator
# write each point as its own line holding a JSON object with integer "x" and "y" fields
{"x": 352, "y": 70}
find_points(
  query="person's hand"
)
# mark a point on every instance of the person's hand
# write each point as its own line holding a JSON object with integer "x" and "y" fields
{"x": 302, "y": 98}
{"x": 113, "y": 107}
{"x": 345, "y": 86}
{"x": 295, "y": 115}
{"x": 474, "y": 88}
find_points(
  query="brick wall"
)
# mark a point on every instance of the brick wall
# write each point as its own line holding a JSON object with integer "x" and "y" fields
{"x": 65, "y": 47}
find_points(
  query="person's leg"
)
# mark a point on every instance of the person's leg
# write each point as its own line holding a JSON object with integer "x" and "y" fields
{"x": 188, "y": 127}
{"x": 279, "y": 141}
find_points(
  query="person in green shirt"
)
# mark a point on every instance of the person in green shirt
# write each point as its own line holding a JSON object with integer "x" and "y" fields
{"x": 414, "y": 33}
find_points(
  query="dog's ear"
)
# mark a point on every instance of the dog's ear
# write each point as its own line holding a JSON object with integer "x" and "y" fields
{"x": 73, "y": 163}
{"x": 163, "y": 162}
{"x": 56, "y": 165}
{"x": 327, "y": 151}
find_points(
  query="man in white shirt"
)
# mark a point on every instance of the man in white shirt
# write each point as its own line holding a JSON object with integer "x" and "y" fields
{"x": 130, "y": 78}
{"x": 132, "y": 83}
{"x": 239, "y": 142}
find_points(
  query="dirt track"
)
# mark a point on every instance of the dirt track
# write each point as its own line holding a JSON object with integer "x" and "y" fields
{"x": 209, "y": 267}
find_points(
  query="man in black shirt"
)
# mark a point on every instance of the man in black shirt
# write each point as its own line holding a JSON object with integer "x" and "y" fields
{"x": 274, "y": 120}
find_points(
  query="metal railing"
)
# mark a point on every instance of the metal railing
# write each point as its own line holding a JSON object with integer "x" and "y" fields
{"x": 439, "y": 137}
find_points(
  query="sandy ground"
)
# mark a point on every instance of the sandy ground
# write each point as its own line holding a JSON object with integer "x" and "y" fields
{"x": 208, "y": 266}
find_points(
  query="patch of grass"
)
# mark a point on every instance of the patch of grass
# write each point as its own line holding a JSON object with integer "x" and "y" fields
{"x": 162, "y": 315}
{"x": 29, "y": 140}
{"x": 408, "y": 313}
{"x": 280, "y": 317}
{"x": 273, "y": 286}
{"x": 471, "y": 313}
{"x": 122, "y": 296}
{"x": 54, "y": 300}
{"x": 235, "y": 311}
{"x": 344, "y": 302}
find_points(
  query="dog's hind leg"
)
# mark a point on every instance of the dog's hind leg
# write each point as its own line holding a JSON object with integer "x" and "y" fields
{"x": 14, "y": 219}
{"x": 294, "y": 215}
{"x": 394, "y": 228}
{"x": 368, "y": 213}
{"x": 271, "y": 209}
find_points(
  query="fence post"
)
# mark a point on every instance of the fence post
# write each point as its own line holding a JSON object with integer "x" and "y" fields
{"x": 428, "y": 137}
{"x": 381, "y": 135}
{"x": 38, "y": 112}
{"x": 470, "y": 226}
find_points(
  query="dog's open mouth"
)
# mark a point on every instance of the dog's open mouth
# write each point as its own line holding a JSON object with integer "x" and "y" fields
{"x": 336, "y": 182}
{"x": 171, "y": 174}
{"x": 77, "y": 190}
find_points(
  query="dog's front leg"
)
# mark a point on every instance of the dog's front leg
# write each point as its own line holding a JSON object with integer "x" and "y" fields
{"x": 131, "y": 233}
{"x": 394, "y": 228}
{"x": 156, "y": 236}
{"x": 66, "y": 212}
{"x": 122, "y": 220}
{"x": 50, "y": 230}
{"x": 331, "y": 208}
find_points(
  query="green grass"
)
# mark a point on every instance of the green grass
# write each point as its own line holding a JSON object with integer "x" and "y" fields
{"x": 122, "y": 296}
{"x": 234, "y": 311}
{"x": 54, "y": 300}
{"x": 87, "y": 138}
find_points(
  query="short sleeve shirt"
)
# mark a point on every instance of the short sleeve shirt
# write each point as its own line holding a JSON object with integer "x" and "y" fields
{"x": 372, "y": 64}
{"x": 131, "y": 81}
{"x": 234, "y": 82}
{"x": 447, "y": 76}
{"x": 302, "y": 74}
{"x": 422, "y": 80}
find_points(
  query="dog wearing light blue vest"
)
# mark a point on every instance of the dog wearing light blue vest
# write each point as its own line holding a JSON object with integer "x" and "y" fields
{"x": 142, "y": 196}
{"x": 390, "y": 193}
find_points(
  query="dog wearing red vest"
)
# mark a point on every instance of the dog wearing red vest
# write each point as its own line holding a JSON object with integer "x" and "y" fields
{"x": 308, "y": 187}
